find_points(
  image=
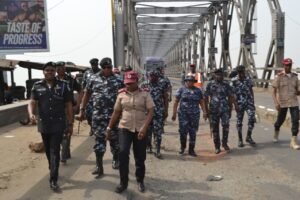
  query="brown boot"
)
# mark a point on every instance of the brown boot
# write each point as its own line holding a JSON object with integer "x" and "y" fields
{"x": 294, "y": 145}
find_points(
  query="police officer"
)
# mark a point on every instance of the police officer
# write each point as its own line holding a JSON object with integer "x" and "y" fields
{"x": 188, "y": 98}
{"x": 103, "y": 89}
{"x": 86, "y": 78}
{"x": 242, "y": 87}
{"x": 54, "y": 102}
{"x": 285, "y": 91}
{"x": 165, "y": 82}
{"x": 74, "y": 85}
{"x": 219, "y": 96}
{"x": 160, "y": 98}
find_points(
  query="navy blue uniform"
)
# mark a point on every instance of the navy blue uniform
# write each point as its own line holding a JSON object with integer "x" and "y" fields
{"x": 52, "y": 119}
{"x": 219, "y": 93}
{"x": 188, "y": 113}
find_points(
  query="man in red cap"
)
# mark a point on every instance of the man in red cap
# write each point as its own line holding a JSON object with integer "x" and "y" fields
{"x": 197, "y": 75}
{"x": 285, "y": 91}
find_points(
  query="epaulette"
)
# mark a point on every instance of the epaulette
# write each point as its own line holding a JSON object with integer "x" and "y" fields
{"x": 281, "y": 73}
{"x": 295, "y": 74}
{"x": 122, "y": 90}
{"x": 39, "y": 82}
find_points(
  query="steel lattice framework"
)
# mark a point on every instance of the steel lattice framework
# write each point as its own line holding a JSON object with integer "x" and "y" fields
{"x": 183, "y": 31}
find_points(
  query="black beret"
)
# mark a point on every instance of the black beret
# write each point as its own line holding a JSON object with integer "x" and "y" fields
{"x": 105, "y": 61}
{"x": 94, "y": 61}
{"x": 240, "y": 68}
{"x": 49, "y": 64}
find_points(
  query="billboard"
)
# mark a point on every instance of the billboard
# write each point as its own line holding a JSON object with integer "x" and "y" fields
{"x": 23, "y": 26}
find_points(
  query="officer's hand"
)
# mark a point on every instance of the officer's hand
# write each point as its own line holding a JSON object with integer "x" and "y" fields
{"x": 278, "y": 108}
{"x": 237, "y": 108}
{"x": 80, "y": 116}
{"x": 142, "y": 133}
{"x": 70, "y": 131}
{"x": 205, "y": 116}
{"x": 174, "y": 117}
{"x": 33, "y": 119}
{"x": 166, "y": 115}
{"x": 170, "y": 99}
{"x": 108, "y": 134}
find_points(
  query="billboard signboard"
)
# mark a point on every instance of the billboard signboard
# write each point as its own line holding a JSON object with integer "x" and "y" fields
{"x": 23, "y": 26}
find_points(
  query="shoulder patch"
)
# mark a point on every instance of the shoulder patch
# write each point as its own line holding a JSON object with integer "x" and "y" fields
{"x": 122, "y": 90}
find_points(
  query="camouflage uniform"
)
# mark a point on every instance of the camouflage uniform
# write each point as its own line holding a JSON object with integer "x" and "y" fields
{"x": 89, "y": 107}
{"x": 245, "y": 101}
{"x": 166, "y": 84}
{"x": 219, "y": 93}
{"x": 104, "y": 91}
{"x": 188, "y": 114}
{"x": 157, "y": 124}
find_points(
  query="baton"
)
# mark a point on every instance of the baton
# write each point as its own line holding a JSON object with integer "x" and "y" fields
{"x": 78, "y": 128}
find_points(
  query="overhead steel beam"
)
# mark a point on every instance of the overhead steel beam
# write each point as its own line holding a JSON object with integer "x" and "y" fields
{"x": 142, "y": 37}
{"x": 164, "y": 26}
{"x": 142, "y": 1}
{"x": 187, "y": 19}
{"x": 162, "y": 32}
{"x": 170, "y": 10}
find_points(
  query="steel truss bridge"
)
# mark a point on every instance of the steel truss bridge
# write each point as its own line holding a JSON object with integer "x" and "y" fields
{"x": 183, "y": 31}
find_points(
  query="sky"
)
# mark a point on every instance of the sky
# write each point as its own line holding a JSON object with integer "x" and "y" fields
{"x": 80, "y": 30}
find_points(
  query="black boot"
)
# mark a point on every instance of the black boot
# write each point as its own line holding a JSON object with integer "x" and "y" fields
{"x": 249, "y": 139}
{"x": 192, "y": 151}
{"x": 225, "y": 146}
{"x": 225, "y": 140}
{"x": 99, "y": 165}
{"x": 157, "y": 153}
{"x": 240, "y": 143}
{"x": 115, "y": 162}
{"x": 182, "y": 148}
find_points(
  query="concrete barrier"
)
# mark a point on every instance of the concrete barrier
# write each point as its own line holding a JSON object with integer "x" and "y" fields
{"x": 12, "y": 113}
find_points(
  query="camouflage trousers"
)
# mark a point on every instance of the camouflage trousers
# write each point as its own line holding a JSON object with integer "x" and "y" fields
{"x": 215, "y": 123}
{"x": 250, "y": 109}
{"x": 155, "y": 129}
{"x": 89, "y": 112}
{"x": 188, "y": 124}
{"x": 99, "y": 131}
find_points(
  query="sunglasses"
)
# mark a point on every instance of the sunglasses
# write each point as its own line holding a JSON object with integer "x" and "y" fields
{"x": 106, "y": 67}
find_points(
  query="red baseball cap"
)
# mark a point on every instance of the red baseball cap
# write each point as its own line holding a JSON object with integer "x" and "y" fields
{"x": 131, "y": 77}
{"x": 192, "y": 65}
{"x": 287, "y": 61}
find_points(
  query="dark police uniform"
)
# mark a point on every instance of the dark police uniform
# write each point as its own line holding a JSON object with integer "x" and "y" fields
{"x": 219, "y": 93}
{"x": 73, "y": 84}
{"x": 52, "y": 118}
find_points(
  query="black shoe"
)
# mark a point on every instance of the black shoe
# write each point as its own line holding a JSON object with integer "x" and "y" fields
{"x": 226, "y": 147}
{"x": 120, "y": 188}
{"x": 241, "y": 144}
{"x": 158, "y": 155}
{"x": 181, "y": 152}
{"x": 141, "y": 187}
{"x": 192, "y": 153}
{"x": 115, "y": 164}
{"x": 149, "y": 150}
{"x": 250, "y": 141}
{"x": 53, "y": 185}
{"x": 217, "y": 151}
